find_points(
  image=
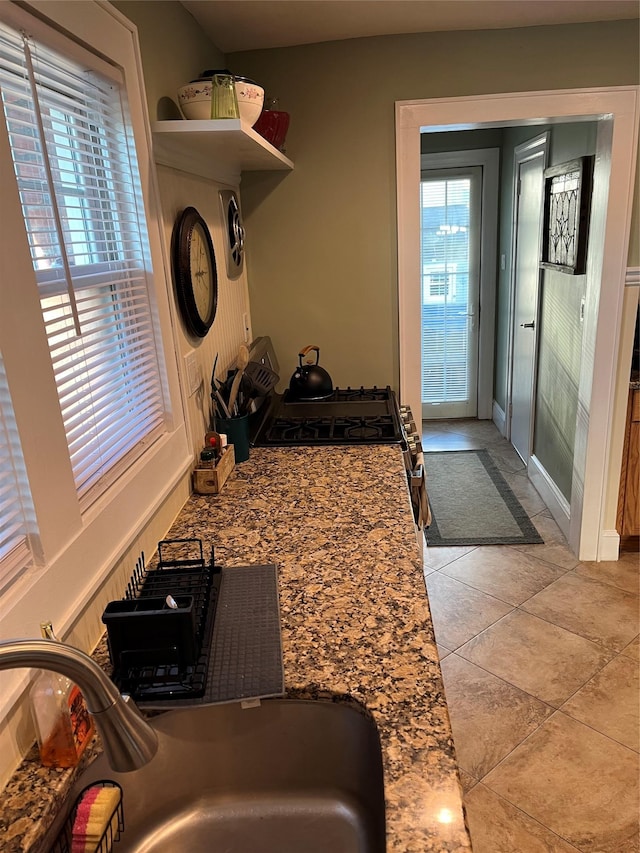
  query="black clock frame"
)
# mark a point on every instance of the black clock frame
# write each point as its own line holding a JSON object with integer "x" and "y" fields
{"x": 182, "y": 272}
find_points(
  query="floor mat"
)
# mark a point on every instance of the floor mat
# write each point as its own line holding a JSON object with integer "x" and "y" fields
{"x": 471, "y": 503}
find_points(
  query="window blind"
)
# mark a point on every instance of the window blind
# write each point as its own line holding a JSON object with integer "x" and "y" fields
{"x": 77, "y": 176}
{"x": 15, "y": 502}
{"x": 445, "y": 235}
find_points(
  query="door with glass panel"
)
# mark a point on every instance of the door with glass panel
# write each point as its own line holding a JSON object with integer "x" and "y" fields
{"x": 450, "y": 207}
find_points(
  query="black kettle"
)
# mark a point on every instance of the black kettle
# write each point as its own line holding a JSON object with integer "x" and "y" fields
{"x": 310, "y": 381}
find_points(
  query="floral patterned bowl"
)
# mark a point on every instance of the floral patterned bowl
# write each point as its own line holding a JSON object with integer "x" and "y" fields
{"x": 195, "y": 98}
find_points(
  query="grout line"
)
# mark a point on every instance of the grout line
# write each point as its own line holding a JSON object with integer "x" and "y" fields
{"x": 594, "y": 729}
{"x": 599, "y": 643}
{"x": 531, "y": 817}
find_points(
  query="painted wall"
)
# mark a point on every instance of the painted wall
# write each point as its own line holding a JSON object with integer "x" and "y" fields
{"x": 322, "y": 242}
{"x": 174, "y": 50}
{"x": 560, "y": 337}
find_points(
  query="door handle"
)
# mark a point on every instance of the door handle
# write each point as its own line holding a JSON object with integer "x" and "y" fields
{"x": 530, "y": 325}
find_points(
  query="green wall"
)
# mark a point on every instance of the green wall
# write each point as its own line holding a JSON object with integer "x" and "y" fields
{"x": 174, "y": 50}
{"x": 321, "y": 242}
{"x": 560, "y": 337}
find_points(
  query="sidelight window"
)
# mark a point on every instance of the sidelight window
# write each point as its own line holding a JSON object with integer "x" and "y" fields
{"x": 450, "y": 287}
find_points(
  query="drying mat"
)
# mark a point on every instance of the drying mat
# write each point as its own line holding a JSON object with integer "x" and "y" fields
{"x": 246, "y": 655}
{"x": 471, "y": 504}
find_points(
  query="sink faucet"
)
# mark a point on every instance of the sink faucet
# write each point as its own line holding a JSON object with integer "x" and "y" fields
{"x": 128, "y": 740}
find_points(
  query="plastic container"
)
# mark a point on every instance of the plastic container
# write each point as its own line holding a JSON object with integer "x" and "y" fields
{"x": 63, "y": 725}
{"x": 237, "y": 432}
{"x": 147, "y": 632}
{"x": 273, "y": 124}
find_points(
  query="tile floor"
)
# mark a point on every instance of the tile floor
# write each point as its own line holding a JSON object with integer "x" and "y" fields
{"x": 540, "y": 659}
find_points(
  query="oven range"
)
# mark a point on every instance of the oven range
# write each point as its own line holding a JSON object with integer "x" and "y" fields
{"x": 347, "y": 416}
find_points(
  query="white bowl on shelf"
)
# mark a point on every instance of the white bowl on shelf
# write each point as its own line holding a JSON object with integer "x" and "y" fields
{"x": 194, "y": 99}
{"x": 250, "y": 99}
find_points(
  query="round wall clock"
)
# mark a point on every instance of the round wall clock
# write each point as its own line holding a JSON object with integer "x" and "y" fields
{"x": 195, "y": 272}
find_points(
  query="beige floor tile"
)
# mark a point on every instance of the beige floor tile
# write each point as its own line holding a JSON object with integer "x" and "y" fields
{"x": 460, "y": 612}
{"x": 623, "y": 573}
{"x": 496, "y": 826}
{"x": 489, "y": 717}
{"x": 549, "y": 530}
{"x": 525, "y": 491}
{"x": 506, "y": 459}
{"x": 466, "y": 780}
{"x": 633, "y": 649}
{"x": 436, "y": 558}
{"x": 577, "y": 782}
{"x": 555, "y": 549}
{"x": 442, "y": 652}
{"x": 485, "y": 432}
{"x": 597, "y": 611}
{"x": 540, "y": 658}
{"x": 610, "y": 702}
{"x": 435, "y": 440}
{"x": 503, "y": 572}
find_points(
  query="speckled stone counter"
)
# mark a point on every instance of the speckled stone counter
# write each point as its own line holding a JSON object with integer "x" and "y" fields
{"x": 355, "y": 617}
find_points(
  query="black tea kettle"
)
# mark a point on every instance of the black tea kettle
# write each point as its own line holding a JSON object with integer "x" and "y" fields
{"x": 310, "y": 381}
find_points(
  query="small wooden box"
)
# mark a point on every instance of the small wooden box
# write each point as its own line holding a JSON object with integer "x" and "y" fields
{"x": 209, "y": 481}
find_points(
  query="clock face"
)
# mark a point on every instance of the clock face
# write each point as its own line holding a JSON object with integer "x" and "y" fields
{"x": 195, "y": 272}
{"x": 201, "y": 272}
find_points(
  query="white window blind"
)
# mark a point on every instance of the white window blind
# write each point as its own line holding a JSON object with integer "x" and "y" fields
{"x": 79, "y": 187}
{"x": 16, "y": 512}
{"x": 445, "y": 239}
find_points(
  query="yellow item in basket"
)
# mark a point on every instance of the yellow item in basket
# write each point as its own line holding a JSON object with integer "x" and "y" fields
{"x": 96, "y": 813}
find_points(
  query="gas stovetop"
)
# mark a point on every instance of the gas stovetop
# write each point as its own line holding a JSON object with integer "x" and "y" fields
{"x": 347, "y": 416}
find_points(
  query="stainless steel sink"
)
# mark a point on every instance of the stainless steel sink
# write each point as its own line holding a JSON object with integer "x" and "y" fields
{"x": 287, "y": 776}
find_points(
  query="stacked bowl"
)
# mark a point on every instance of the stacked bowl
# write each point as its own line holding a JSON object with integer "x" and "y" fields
{"x": 195, "y": 99}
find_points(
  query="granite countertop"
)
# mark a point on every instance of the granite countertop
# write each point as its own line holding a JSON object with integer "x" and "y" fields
{"x": 355, "y": 621}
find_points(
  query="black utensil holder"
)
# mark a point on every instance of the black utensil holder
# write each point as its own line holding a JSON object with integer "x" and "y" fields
{"x": 147, "y": 632}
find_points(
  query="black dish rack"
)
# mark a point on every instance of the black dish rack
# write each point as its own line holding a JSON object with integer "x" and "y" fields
{"x": 159, "y": 651}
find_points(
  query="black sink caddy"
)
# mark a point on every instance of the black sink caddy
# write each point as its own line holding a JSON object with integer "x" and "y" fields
{"x": 158, "y": 651}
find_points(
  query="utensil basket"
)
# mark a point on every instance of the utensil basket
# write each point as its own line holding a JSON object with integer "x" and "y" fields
{"x": 114, "y": 825}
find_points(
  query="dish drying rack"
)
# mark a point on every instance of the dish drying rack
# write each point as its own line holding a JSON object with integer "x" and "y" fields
{"x": 158, "y": 650}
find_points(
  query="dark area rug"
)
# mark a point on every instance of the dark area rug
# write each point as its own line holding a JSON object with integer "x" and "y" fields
{"x": 471, "y": 503}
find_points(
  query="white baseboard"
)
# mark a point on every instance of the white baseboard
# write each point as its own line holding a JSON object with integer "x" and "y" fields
{"x": 609, "y": 545}
{"x": 556, "y": 502}
{"x": 499, "y": 418}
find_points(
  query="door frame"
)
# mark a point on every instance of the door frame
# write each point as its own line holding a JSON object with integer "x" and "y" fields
{"x": 489, "y": 160}
{"x": 593, "y": 500}
{"x": 521, "y": 153}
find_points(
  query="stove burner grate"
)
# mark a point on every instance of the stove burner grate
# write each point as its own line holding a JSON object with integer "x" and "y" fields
{"x": 331, "y": 430}
{"x": 350, "y": 416}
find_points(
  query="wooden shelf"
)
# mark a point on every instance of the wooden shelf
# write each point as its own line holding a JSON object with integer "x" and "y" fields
{"x": 215, "y": 148}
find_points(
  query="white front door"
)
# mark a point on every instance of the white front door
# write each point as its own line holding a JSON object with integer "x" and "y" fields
{"x": 450, "y": 205}
{"x": 530, "y": 160}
